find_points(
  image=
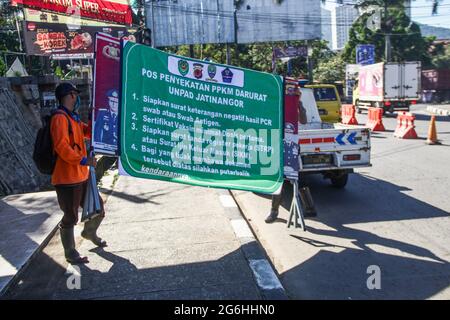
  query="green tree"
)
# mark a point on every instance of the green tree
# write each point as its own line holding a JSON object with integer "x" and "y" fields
{"x": 257, "y": 56}
{"x": 407, "y": 43}
{"x": 8, "y": 32}
{"x": 441, "y": 60}
{"x": 331, "y": 70}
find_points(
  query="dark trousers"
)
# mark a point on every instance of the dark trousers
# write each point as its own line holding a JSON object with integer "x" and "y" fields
{"x": 70, "y": 199}
{"x": 277, "y": 198}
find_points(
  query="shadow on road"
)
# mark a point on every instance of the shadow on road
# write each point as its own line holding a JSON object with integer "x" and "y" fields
{"x": 145, "y": 197}
{"x": 408, "y": 271}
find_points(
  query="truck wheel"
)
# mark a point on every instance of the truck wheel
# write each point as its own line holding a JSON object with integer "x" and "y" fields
{"x": 339, "y": 181}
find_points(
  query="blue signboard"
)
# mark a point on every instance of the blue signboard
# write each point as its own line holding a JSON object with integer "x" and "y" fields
{"x": 365, "y": 54}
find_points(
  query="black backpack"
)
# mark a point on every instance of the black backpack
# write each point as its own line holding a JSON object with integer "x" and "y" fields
{"x": 43, "y": 154}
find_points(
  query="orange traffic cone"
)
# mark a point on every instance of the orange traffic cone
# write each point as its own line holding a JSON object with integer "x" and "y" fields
{"x": 432, "y": 134}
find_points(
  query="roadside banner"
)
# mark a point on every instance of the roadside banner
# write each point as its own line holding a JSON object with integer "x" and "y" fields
{"x": 117, "y": 11}
{"x": 291, "y": 118}
{"x": 106, "y": 94}
{"x": 199, "y": 123}
{"x": 371, "y": 81}
{"x": 33, "y": 15}
{"x": 54, "y": 38}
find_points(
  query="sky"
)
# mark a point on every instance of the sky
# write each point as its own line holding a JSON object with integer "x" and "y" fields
{"x": 421, "y": 12}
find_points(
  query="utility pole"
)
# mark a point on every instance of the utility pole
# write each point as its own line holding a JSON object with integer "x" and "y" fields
{"x": 18, "y": 30}
{"x": 309, "y": 61}
{"x": 387, "y": 35}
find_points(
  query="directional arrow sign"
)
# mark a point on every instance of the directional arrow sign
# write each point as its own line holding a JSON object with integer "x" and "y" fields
{"x": 351, "y": 138}
{"x": 339, "y": 139}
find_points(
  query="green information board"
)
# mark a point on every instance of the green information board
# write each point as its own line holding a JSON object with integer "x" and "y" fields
{"x": 200, "y": 123}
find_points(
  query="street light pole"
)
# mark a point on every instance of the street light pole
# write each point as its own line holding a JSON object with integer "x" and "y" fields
{"x": 387, "y": 35}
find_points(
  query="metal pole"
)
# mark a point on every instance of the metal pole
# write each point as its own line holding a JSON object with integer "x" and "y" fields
{"x": 153, "y": 26}
{"x": 18, "y": 31}
{"x": 236, "y": 36}
{"x": 310, "y": 69}
{"x": 228, "y": 54}
{"x": 387, "y": 47}
{"x": 387, "y": 36}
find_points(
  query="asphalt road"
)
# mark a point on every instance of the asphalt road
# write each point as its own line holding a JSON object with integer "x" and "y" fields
{"x": 393, "y": 216}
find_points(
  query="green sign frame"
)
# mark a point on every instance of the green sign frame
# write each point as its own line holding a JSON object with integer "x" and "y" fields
{"x": 200, "y": 123}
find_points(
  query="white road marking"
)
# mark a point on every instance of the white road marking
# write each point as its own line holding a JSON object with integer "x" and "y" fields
{"x": 227, "y": 201}
{"x": 241, "y": 228}
{"x": 264, "y": 274}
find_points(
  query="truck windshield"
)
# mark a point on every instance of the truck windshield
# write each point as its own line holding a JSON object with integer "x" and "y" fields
{"x": 325, "y": 94}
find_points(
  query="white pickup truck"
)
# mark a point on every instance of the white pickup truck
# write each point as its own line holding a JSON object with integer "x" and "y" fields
{"x": 332, "y": 150}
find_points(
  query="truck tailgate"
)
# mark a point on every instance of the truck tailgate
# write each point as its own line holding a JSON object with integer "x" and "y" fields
{"x": 332, "y": 149}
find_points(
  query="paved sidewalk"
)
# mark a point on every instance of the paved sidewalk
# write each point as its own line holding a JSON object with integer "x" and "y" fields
{"x": 27, "y": 221}
{"x": 166, "y": 241}
{"x": 443, "y": 110}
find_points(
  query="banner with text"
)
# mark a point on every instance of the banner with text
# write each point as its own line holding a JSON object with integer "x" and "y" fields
{"x": 55, "y": 38}
{"x": 291, "y": 117}
{"x": 105, "y": 113}
{"x": 117, "y": 11}
{"x": 200, "y": 123}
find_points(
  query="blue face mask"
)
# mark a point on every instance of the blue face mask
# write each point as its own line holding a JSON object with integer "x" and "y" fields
{"x": 77, "y": 105}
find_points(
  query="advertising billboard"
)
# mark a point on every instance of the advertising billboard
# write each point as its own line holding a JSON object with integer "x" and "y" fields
{"x": 190, "y": 22}
{"x": 33, "y": 15}
{"x": 180, "y": 22}
{"x": 117, "y": 11}
{"x": 371, "y": 85}
{"x": 57, "y": 39}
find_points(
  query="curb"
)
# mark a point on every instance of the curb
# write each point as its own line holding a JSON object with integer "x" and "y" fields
{"x": 41, "y": 247}
{"x": 438, "y": 111}
{"x": 264, "y": 274}
{"x": 38, "y": 250}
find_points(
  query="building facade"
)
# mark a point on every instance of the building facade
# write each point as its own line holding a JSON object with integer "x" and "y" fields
{"x": 342, "y": 18}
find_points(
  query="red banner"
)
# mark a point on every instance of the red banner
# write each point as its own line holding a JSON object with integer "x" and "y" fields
{"x": 291, "y": 118}
{"x": 118, "y": 12}
{"x": 106, "y": 94}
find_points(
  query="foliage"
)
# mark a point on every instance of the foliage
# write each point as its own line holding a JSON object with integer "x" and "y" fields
{"x": 256, "y": 56}
{"x": 442, "y": 60}
{"x": 331, "y": 70}
{"x": 2, "y": 67}
{"x": 407, "y": 42}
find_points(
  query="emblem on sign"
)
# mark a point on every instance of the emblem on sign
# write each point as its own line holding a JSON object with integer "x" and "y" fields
{"x": 212, "y": 70}
{"x": 198, "y": 70}
{"x": 227, "y": 75}
{"x": 183, "y": 67}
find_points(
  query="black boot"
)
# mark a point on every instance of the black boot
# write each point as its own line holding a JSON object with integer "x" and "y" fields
{"x": 276, "y": 202}
{"x": 68, "y": 242}
{"x": 90, "y": 231}
{"x": 273, "y": 215}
